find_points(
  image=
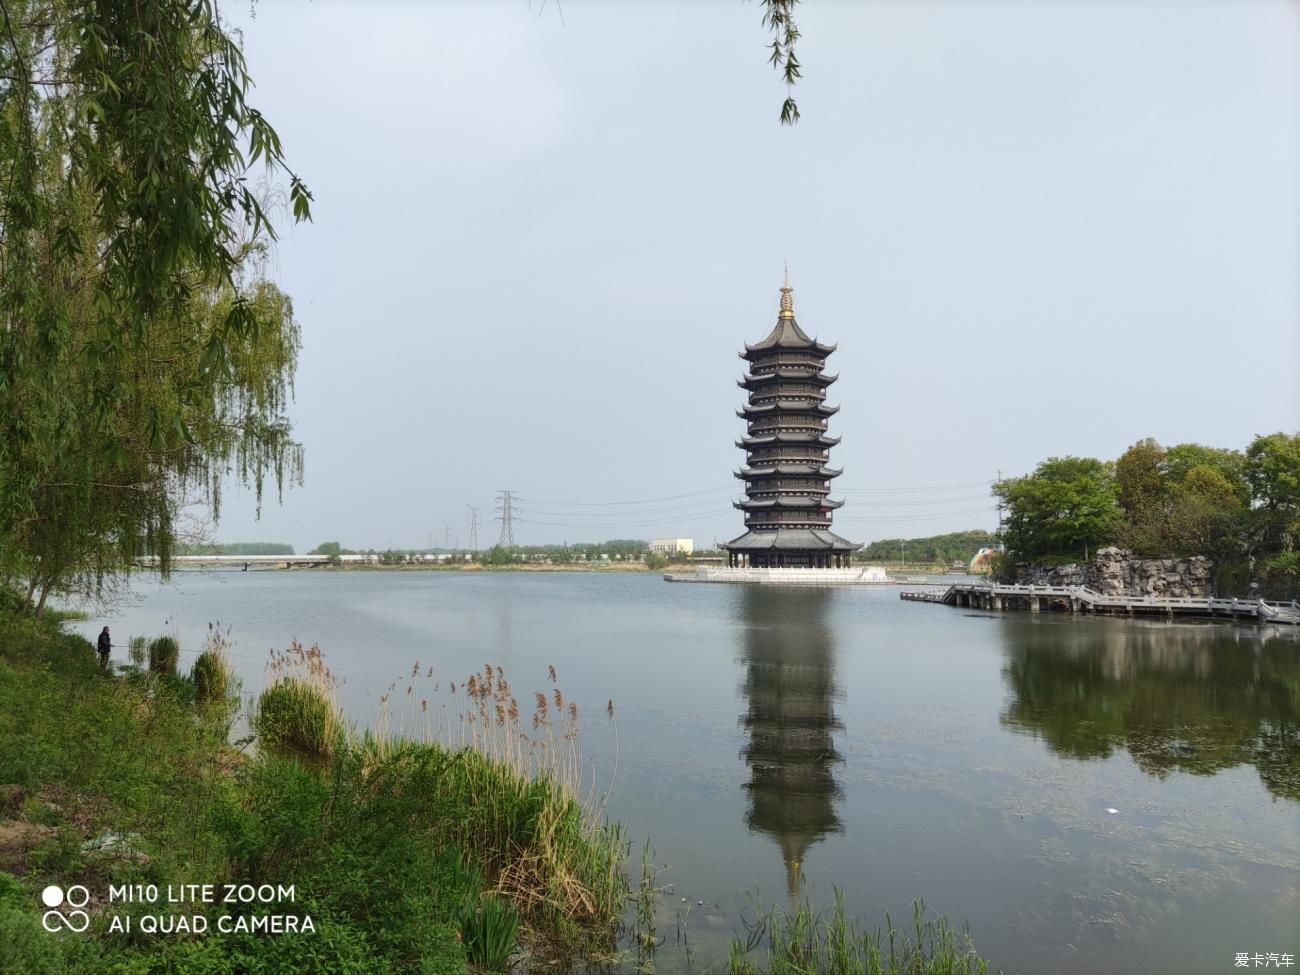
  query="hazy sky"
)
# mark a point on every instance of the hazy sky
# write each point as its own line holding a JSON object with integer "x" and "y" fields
{"x": 1033, "y": 229}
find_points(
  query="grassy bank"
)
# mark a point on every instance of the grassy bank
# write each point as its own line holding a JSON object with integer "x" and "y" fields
{"x": 407, "y": 856}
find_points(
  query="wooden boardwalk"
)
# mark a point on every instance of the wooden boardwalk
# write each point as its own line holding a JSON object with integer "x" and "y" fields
{"x": 1081, "y": 599}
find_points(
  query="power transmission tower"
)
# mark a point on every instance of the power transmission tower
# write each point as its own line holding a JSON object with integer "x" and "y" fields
{"x": 473, "y": 527}
{"x": 446, "y": 537}
{"x": 506, "y": 509}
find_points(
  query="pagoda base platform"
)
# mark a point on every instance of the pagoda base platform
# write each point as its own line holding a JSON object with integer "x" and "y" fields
{"x": 866, "y": 575}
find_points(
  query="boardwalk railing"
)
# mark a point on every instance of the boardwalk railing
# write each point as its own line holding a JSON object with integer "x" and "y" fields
{"x": 1076, "y": 599}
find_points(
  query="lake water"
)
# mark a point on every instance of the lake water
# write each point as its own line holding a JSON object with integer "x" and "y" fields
{"x": 1091, "y": 795}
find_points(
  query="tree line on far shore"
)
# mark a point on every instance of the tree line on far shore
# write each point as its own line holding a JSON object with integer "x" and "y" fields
{"x": 1239, "y": 508}
{"x": 952, "y": 547}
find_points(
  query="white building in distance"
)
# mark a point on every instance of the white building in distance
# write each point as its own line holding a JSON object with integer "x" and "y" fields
{"x": 673, "y": 546}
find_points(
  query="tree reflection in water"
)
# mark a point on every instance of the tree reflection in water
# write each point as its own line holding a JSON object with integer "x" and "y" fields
{"x": 1176, "y": 698}
{"x": 789, "y": 686}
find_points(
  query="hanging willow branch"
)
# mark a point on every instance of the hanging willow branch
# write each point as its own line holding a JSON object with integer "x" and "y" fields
{"x": 778, "y": 17}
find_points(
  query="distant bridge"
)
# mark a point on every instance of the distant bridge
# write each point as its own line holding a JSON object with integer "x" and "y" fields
{"x": 242, "y": 561}
{"x": 1081, "y": 599}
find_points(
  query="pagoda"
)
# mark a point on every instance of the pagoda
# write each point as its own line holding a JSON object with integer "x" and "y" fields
{"x": 787, "y": 502}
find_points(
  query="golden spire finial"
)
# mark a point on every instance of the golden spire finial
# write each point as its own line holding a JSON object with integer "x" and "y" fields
{"x": 787, "y": 303}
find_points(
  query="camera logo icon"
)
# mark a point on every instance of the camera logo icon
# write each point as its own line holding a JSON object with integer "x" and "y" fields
{"x": 76, "y": 897}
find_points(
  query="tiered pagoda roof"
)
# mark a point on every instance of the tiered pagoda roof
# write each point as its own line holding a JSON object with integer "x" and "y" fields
{"x": 817, "y": 407}
{"x": 787, "y": 508}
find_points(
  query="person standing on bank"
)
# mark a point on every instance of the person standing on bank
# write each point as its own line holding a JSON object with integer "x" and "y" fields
{"x": 105, "y": 645}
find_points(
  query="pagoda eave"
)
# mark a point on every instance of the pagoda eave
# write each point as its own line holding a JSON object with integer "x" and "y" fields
{"x": 788, "y": 470}
{"x": 790, "y": 540}
{"x": 811, "y": 345}
{"x": 809, "y": 405}
{"x": 820, "y": 441}
{"x": 750, "y": 380}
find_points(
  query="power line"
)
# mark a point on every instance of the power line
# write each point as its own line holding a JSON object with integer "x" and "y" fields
{"x": 731, "y": 489}
{"x": 914, "y": 490}
{"x": 934, "y": 516}
{"x": 915, "y": 504}
{"x": 713, "y": 505}
{"x": 609, "y": 504}
{"x": 604, "y": 525}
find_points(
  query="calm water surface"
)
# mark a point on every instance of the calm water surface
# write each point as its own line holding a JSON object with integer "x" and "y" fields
{"x": 892, "y": 750}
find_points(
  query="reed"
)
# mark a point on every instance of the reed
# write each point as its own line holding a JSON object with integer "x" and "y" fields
{"x": 212, "y": 674}
{"x": 164, "y": 655}
{"x": 138, "y": 651}
{"x": 516, "y": 798}
{"x": 829, "y": 942}
{"x": 645, "y": 917}
{"x": 298, "y": 710}
{"x": 488, "y": 927}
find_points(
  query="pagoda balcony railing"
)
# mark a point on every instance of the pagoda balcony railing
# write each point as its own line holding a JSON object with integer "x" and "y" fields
{"x": 809, "y": 455}
{"x": 785, "y": 360}
{"x": 757, "y": 430}
{"x": 795, "y": 521}
{"x": 785, "y": 485}
{"x": 789, "y": 390}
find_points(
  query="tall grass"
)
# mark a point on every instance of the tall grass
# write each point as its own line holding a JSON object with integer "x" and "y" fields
{"x": 298, "y": 710}
{"x": 645, "y": 917}
{"x": 164, "y": 654}
{"x": 212, "y": 674}
{"x": 138, "y": 651}
{"x": 522, "y": 806}
{"x": 828, "y": 942}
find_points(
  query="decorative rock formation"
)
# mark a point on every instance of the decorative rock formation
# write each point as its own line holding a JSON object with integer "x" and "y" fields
{"x": 1118, "y": 572}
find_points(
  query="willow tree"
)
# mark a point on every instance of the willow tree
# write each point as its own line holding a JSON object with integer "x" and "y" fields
{"x": 144, "y": 354}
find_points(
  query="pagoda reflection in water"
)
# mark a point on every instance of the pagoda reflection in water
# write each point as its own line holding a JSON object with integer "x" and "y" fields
{"x": 789, "y": 685}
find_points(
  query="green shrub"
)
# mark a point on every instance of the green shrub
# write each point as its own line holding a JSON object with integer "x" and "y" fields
{"x": 293, "y": 714}
{"x": 212, "y": 677}
{"x": 164, "y": 655}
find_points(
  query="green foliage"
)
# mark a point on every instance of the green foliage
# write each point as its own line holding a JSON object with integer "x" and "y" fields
{"x": 327, "y": 548}
{"x": 778, "y": 17}
{"x": 138, "y": 651}
{"x": 1068, "y": 506}
{"x": 24, "y": 945}
{"x": 1242, "y": 510}
{"x": 488, "y": 926}
{"x": 212, "y": 677}
{"x": 297, "y": 715}
{"x": 143, "y": 352}
{"x": 1273, "y": 470}
{"x": 1140, "y": 478}
{"x": 1186, "y": 500}
{"x": 236, "y": 548}
{"x": 498, "y": 556}
{"x": 954, "y": 546}
{"x": 164, "y": 655}
{"x": 1231, "y": 464}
